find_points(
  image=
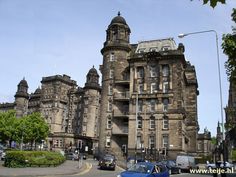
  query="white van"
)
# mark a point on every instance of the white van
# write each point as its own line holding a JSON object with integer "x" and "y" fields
{"x": 185, "y": 162}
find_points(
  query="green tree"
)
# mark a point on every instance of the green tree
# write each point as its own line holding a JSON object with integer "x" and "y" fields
{"x": 8, "y": 122}
{"x": 213, "y": 140}
{"x": 229, "y": 48}
{"x": 213, "y": 3}
{"x": 34, "y": 127}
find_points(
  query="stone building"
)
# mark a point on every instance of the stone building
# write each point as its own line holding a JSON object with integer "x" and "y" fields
{"x": 70, "y": 111}
{"x": 230, "y": 124}
{"x": 204, "y": 144}
{"x": 149, "y": 96}
{"x": 146, "y": 106}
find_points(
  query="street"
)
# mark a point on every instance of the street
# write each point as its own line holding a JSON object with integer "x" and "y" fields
{"x": 90, "y": 169}
{"x": 94, "y": 171}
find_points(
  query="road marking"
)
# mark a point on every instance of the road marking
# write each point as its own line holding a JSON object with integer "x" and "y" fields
{"x": 88, "y": 168}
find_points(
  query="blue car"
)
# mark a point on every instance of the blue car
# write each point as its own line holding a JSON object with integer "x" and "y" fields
{"x": 145, "y": 169}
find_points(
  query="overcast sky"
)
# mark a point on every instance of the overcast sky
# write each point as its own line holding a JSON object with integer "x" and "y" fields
{"x": 40, "y": 38}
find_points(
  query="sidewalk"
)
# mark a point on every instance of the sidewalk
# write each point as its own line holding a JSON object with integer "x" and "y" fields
{"x": 67, "y": 168}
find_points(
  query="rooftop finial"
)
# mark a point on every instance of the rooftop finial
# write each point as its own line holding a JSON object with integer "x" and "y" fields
{"x": 93, "y": 66}
{"x": 118, "y": 13}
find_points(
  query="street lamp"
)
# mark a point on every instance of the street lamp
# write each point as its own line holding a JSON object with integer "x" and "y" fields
{"x": 136, "y": 125}
{"x": 219, "y": 75}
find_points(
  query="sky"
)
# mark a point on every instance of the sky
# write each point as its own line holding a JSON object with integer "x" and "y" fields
{"x": 40, "y": 38}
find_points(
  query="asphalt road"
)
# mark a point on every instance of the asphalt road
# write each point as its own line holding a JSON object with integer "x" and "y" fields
{"x": 94, "y": 171}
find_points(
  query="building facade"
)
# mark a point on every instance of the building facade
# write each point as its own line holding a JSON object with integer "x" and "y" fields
{"x": 230, "y": 124}
{"x": 146, "y": 105}
{"x": 149, "y": 96}
{"x": 70, "y": 111}
{"x": 204, "y": 144}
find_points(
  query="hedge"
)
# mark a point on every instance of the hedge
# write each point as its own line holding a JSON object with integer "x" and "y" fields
{"x": 14, "y": 159}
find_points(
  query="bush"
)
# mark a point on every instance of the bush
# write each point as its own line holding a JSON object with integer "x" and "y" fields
{"x": 16, "y": 159}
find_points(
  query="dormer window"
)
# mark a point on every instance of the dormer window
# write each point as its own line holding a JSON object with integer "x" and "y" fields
{"x": 165, "y": 48}
{"x": 153, "y": 49}
{"x": 141, "y": 50}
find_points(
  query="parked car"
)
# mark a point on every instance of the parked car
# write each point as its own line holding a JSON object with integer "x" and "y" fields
{"x": 72, "y": 156}
{"x": 172, "y": 167}
{"x": 219, "y": 164}
{"x": 186, "y": 162}
{"x": 146, "y": 169}
{"x": 108, "y": 161}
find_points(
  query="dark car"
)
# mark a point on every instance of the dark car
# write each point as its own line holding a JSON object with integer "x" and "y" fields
{"x": 107, "y": 162}
{"x": 146, "y": 169}
{"x": 172, "y": 167}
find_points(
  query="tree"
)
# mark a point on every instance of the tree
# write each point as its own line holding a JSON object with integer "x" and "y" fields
{"x": 8, "y": 122}
{"x": 229, "y": 48}
{"x": 35, "y": 129}
{"x": 213, "y": 3}
{"x": 30, "y": 129}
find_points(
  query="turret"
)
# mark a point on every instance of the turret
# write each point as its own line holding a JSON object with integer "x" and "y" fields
{"x": 22, "y": 98}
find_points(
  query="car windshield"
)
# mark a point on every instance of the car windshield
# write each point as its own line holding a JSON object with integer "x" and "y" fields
{"x": 171, "y": 163}
{"x": 141, "y": 168}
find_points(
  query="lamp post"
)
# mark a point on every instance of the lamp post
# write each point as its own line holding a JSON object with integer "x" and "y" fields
{"x": 219, "y": 77}
{"x": 136, "y": 126}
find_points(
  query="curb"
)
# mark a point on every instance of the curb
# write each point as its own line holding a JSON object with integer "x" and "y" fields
{"x": 83, "y": 168}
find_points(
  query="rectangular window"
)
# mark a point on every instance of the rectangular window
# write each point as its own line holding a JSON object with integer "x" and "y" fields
{"x": 165, "y": 141}
{"x": 140, "y": 105}
{"x": 109, "y": 106}
{"x": 165, "y": 104}
{"x": 151, "y": 142}
{"x": 140, "y": 72}
{"x": 57, "y": 143}
{"x": 139, "y": 142}
{"x": 112, "y": 57}
{"x": 109, "y": 122}
{"x": 199, "y": 146}
{"x": 61, "y": 143}
{"x": 140, "y": 122}
{"x": 152, "y": 122}
{"x": 110, "y": 90}
{"x": 165, "y": 87}
{"x": 165, "y": 70}
{"x": 152, "y": 105}
{"x": 140, "y": 88}
{"x": 153, "y": 87}
{"x": 165, "y": 122}
{"x": 153, "y": 72}
{"x": 111, "y": 74}
{"x": 84, "y": 129}
{"x": 108, "y": 141}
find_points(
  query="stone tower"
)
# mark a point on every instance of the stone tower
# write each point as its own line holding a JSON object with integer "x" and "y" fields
{"x": 21, "y": 98}
{"x": 115, "y": 51}
{"x": 92, "y": 91}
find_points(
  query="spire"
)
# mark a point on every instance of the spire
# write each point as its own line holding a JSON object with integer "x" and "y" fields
{"x": 118, "y": 13}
